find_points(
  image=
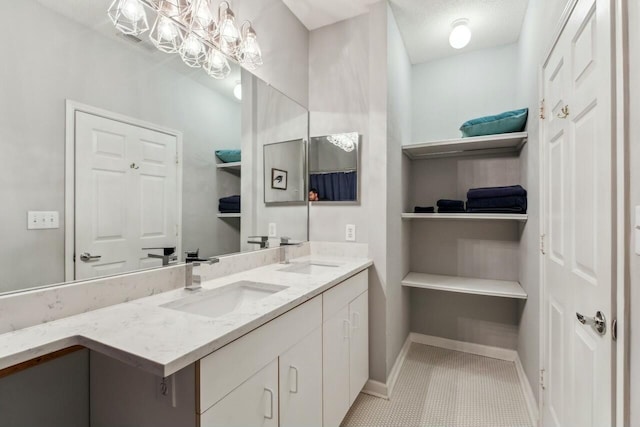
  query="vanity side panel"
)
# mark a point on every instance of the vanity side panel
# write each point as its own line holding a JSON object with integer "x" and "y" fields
{"x": 41, "y": 397}
{"x": 122, "y": 395}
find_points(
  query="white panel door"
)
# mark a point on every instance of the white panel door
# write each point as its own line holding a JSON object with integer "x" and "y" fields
{"x": 578, "y": 221}
{"x": 126, "y": 195}
{"x": 301, "y": 383}
{"x": 252, "y": 404}
{"x": 359, "y": 345}
{"x": 335, "y": 370}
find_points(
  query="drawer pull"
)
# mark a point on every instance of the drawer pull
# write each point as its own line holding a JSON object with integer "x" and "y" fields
{"x": 269, "y": 406}
{"x": 293, "y": 380}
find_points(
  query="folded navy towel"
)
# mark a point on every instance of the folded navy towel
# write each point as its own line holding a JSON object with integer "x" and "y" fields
{"x": 498, "y": 202}
{"x": 230, "y": 199}
{"x": 490, "y": 192}
{"x": 451, "y": 210}
{"x": 221, "y": 210}
{"x": 229, "y": 205}
{"x": 445, "y": 203}
{"x": 421, "y": 209}
{"x": 514, "y": 210}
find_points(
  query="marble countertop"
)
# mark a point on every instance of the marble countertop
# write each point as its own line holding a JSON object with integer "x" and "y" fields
{"x": 162, "y": 340}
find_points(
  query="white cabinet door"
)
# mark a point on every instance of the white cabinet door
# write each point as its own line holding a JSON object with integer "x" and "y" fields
{"x": 301, "y": 383}
{"x": 359, "y": 345}
{"x": 335, "y": 356}
{"x": 254, "y": 403}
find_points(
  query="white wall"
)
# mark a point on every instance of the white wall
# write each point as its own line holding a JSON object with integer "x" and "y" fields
{"x": 539, "y": 26}
{"x": 348, "y": 93}
{"x": 447, "y": 92}
{"x": 398, "y": 239}
{"x": 83, "y": 65}
{"x": 634, "y": 201}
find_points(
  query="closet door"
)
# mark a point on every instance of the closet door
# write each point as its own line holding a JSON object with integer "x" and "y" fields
{"x": 578, "y": 147}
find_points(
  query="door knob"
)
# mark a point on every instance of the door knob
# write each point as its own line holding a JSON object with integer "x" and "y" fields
{"x": 599, "y": 323}
{"x": 87, "y": 257}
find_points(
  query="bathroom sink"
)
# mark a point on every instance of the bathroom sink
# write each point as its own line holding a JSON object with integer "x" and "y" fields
{"x": 224, "y": 300}
{"x": 309, "y": 267}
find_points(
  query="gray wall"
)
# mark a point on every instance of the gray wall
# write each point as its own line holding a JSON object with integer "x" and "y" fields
{"x": 634, "y": 201}
{"x": 85, "y": 66}
{"x": 539, "y": 26}
{"x": 447, "y": 92}
{"x": 348, "y": 93}
{"x": 54, "y": 394}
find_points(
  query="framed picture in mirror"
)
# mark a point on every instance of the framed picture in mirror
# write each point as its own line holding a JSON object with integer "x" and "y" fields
{"x": 278, "y": 179}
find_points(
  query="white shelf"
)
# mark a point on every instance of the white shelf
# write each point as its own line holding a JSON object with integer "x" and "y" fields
{"x": 467, "y": 216}
{"x": 465, "y": 285}
{"x": 230, "y": 166}
{"x": 490, "y": 144}
{"x": 229, "y": 215}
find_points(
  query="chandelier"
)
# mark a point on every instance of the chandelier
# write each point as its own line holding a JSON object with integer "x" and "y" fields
{"x": 345, "y": 141}
{"x": 204, "y": 37}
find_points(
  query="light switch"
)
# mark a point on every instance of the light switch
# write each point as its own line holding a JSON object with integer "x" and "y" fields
{"x": 273, "y": 232}
{"x": 350, "y": 233}
{"x": 43, "y": 220}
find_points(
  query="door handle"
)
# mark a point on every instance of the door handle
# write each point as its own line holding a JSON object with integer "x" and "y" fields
{"x": 293, "y": 381}
{"x": 87, "y": 257}
{"x": 599, "y": 323}
{"x": 269, "y": 407}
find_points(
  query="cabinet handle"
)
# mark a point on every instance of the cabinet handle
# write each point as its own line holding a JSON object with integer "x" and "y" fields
{"x": 269, "y": 406}
{"x": 293, "y": 381}
{"x": 356, "y": 320}
{"x": 346, "y": 327}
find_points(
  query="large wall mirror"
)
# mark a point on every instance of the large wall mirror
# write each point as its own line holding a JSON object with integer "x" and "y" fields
{"x": 109, "y": 158}
{"x": 334, "y": 166}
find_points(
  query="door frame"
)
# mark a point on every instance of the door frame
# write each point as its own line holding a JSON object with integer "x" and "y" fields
{"x": 620, "y": 141}
{"x": 72, "y": 107}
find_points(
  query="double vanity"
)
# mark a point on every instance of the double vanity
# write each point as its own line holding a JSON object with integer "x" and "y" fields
{"x": 280, "y": 344}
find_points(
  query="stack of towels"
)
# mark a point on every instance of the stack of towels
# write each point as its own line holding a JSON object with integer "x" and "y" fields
{"x": 229, "y": 204}
{"x": 512, "y": 199}
{"x": 450, "y": 206}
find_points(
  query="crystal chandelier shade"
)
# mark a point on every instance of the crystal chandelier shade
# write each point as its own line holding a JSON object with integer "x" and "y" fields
{"x": 345, "y": 141}
{"x": 202, "y": 35}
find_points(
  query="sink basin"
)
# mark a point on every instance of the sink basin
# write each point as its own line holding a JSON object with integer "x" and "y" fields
{"x": 224, "y": 300}
{"x": 309, "y": 267}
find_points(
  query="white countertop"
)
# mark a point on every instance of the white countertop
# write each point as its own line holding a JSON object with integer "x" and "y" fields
{"x": 163, "y": 341}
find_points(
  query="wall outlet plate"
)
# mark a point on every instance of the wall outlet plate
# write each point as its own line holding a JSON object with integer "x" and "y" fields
{"x": 273, "y": 232}
{"x": 43, "y": 220}
{"x": 350, "y": 235}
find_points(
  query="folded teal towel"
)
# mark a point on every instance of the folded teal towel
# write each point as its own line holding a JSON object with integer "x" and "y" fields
{"x": 509, "y": 122}
{"x": 229, "y": 156}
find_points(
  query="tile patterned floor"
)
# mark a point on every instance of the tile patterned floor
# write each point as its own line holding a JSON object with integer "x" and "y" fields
{"x": 445, "y": 388}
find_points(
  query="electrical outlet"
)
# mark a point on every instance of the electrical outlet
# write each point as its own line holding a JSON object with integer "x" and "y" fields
{"x": 350, "y": 233}
{"x": 43, "y": 220}
{"x": 273, "y": 232}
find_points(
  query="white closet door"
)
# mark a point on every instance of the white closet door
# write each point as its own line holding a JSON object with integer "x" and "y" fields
{"x": 126, "y": 195}
{"x": 578, "y": 220}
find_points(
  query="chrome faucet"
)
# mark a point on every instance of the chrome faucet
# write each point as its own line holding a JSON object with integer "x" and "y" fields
{"x": 193, "y": 282}
{"x": 263, "y": 241}
{"x": 285, "y": 242}
{"x": 168, "y": 255}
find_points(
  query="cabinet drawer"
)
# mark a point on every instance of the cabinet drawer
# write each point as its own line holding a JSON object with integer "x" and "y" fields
{"x": 342, "y": 294}
{"x": 227, "y": 368}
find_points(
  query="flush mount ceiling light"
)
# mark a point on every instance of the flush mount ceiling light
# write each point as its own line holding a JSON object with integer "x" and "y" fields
{"x": 191, "y": 28}
{"x": 460, "y": 34}
{"x": 345, "y": 141}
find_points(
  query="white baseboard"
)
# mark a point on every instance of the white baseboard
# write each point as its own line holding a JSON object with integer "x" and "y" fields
{"x": 532, "y": 404}
{"x": 384, "y": 390}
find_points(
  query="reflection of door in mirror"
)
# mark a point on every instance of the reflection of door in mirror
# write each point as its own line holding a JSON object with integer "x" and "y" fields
{"x": 333, "y": 168}
{"x": 127, "y": 195}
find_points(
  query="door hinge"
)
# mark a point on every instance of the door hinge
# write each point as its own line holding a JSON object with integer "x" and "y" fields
{"x": 177, "y": 160}
{"x": 177, "y": 230}
{"x": 542, "y": 379}
{"x": 542, "y": 251}
{"x": 542, "y": 116}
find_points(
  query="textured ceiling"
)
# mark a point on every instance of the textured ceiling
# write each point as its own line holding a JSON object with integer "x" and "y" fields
{"x": 426, "y": 24}
{"x": 318, "y": 13}
{"x": 93, "y": 14}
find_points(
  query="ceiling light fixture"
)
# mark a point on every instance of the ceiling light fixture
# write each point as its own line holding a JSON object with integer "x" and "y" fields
{"x": 189, "y": 27}
{"x": 345, "y": 141}
{"x": 460, "y": 34}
